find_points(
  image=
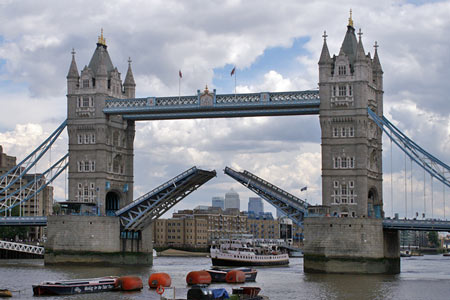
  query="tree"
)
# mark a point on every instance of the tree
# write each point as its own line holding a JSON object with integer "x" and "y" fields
{"x": 56, "y": 208}
{"x": 10, "y": 232}
{"x": 433, "y": 239}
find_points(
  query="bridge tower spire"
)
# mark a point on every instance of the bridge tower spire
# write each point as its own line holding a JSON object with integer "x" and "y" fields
{"x": 100, "y": 146}
{"x": 351, "y": 142}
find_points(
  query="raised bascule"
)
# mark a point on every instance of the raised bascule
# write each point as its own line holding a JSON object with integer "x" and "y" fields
{"x": 347, "y": 234}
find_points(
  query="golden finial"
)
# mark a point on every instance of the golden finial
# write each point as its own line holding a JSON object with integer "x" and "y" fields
{"x": 101, "y": 39}
{"x": 350, "y": 20}
{"x": 206, "y": 90}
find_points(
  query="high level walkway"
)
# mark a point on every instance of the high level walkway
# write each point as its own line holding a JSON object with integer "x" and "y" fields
{"x": 138, "y": 214}
{"x": 210, "y": 105}
{"x": 294, "y": 207}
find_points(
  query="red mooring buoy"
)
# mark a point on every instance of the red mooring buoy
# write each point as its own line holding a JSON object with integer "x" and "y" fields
{"x": 198, "y": 277}
{"x": 159, "y": 279}
{"x": 130, "y": 283}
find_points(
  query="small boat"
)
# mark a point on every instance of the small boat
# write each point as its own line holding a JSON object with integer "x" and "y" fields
{"x": 405, "y": 253}
{"x": 203, "y": 292}
{"x": 4, "y": 293}
{"x": 219, "y": 274}
{"x": 78, "y": 286}
{"x": 446, "y": 254}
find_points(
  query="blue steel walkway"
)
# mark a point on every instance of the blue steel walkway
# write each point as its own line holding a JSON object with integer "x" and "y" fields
{"x": 210, "y": 105}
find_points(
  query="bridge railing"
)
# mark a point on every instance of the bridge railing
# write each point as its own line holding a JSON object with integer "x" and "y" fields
{"x": 12, "y": 246}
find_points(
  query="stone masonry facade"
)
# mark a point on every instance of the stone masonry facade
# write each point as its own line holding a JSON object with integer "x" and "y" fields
{"x": 349, "y": 83}
{"x": 100, "y": 146}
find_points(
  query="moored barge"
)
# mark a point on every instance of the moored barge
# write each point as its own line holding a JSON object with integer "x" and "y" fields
{"x": 77, "y": 286}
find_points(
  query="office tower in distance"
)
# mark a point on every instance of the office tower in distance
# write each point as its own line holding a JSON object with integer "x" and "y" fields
{"x": 232, "y": 199}
{"x": 255, "y": 205}
{"x": 218, "y": 202}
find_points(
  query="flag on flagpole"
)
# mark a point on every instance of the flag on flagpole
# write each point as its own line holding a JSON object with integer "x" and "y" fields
{"x": 232, "y": 71}
{"x": 303, "y": 188}
{"x": 180, "y": 75}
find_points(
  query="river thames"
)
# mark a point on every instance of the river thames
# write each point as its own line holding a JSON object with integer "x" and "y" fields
{"x": 425, "y": 277}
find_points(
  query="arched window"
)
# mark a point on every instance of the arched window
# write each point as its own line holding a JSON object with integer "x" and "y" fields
{"x": 116, "y": 138}
{"x": 117, "y": 164}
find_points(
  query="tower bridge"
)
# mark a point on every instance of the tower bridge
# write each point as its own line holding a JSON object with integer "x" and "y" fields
{"x": 352, "y": 236}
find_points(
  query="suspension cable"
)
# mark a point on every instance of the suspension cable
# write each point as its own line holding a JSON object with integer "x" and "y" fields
{"x": 424, "y": 195}
{"x": 432, "y": 198}
{"x": 406, "y": 193}
{"x": 411, "y": 187}
{"x": 392, "y": 188}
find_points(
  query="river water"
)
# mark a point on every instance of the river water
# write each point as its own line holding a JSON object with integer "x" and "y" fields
{"x": 425, "y": 277}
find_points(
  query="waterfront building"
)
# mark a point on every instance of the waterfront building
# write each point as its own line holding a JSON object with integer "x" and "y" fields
{"x": 411, "y": 238}
{"x": 196, "y": 228}
{"x": 218, "y": 202}
{"x": 232, "y": 199}
{"x": 255, "y": 205}
{"x": 184, "y": 231}
{"x": 263, "y": 226}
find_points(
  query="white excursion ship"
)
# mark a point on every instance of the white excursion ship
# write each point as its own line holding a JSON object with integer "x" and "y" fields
{"x": 247, "y": 252}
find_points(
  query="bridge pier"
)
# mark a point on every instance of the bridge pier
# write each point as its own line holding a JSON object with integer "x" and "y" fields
{"x": 350, "y": 245}
{"x": 95, "y": 240}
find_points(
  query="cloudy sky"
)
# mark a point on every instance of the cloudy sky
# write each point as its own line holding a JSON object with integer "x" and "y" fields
{"x": 275, "y": 46}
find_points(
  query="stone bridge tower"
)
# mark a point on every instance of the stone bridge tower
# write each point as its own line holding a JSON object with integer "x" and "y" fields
{"x": 351, "y": 142}
{"x": 100, "y": 146}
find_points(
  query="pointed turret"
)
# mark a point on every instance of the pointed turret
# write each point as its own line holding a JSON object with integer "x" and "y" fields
{"x": 325, "y": 54}
{"x": 377, "y": 70}
{"x": 360, "y": 53}
{"x": 73, "y": 70}
{"x": 376, "y": 61}
{"x": 361, "y": 65}
{"x": 101, "y": 57}
{"x": 349, "y": 45}
{"x": 325, "y": 61}
{"x": 73, "y": 77}
{"x": 129, "y": 84}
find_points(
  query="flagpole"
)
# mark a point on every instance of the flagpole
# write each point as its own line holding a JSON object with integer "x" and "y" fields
{"x": 179, "y": 84}
{"x": 235, "y": 75}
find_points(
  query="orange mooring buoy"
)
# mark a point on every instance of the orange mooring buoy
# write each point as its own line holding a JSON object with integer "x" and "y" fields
{"x": 235, "y": 276}
{"x": 198, "y": 277}
{"x": 130, "y": 283}
{"x": 159, "y": 279}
